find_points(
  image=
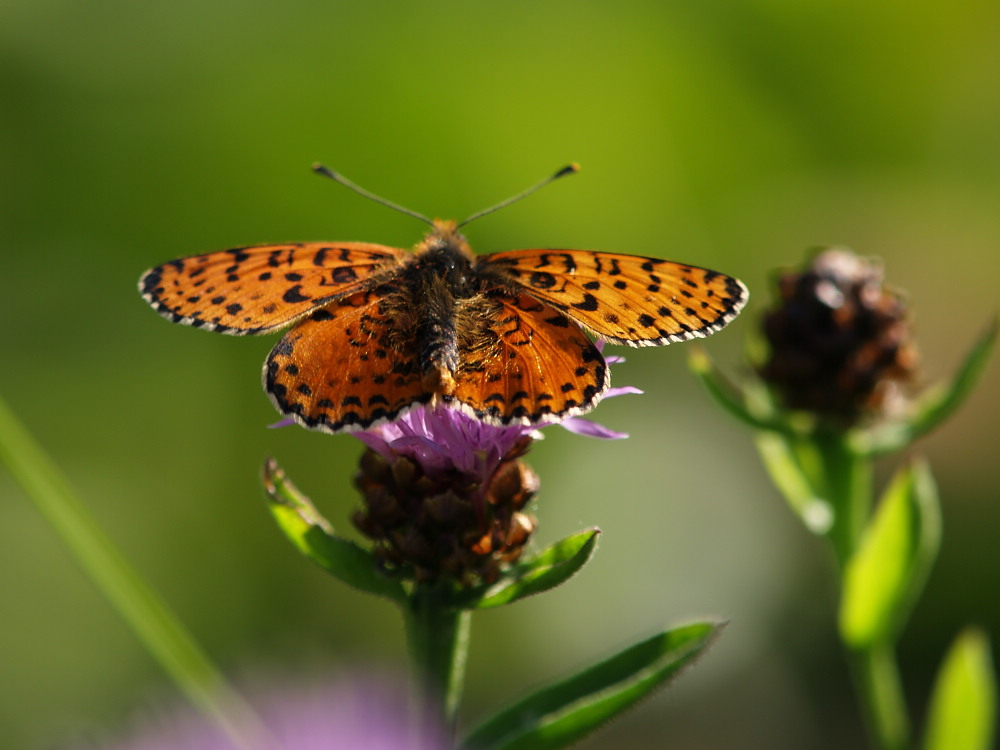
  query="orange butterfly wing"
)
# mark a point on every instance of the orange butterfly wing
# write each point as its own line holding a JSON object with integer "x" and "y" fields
{"x": 351, "y": 365}
{"x": 535, "y": 363}
{"x": 251, "y": 290}
{"x": 625, "y": 299}
{"x": 345, "y": 367}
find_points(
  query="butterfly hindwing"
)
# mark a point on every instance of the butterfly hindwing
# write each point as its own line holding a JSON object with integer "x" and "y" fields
{"x": 345, "y": 367}
{"x": 626, "y": 299}
{"x": 251, "y": 290}
{"x": 536, "y": 364}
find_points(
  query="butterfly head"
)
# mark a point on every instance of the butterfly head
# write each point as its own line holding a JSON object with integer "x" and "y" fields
{"x": 444, "y": 236}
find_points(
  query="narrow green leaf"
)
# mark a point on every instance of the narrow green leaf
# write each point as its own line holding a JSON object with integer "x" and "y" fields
{"x": 151, "y": 620}
{"x": 312, "y": 534}
{"x": 786, "y": 472}
{"x": 562, "y": 713}
{"x": 551, "y": 567}
{"x": 941, "y": 402}
{"x": 887, "y": 572}
{"x": 731, "y": 397}
{"x": 963, "y": 705}
{"x": 936, "y": 404}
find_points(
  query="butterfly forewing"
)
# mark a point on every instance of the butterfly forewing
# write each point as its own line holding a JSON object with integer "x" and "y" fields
{"x": 251, "y": 290}
{"x": 626, "y": 299}
{"x": 346, "y": 366}
{"x": 536, "y": 365}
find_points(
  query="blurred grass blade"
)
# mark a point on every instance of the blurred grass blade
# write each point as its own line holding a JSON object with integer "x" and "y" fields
{"x": 313, "y": 536}
{"x": 149, "y": 618}
{"x": 785, "y": 471}
{"x": 937, "y": 403}
{"x": 963, "y": 705}
{"x": 563, "y": 713}
{"x": 549, "y": 568}
{"x": 885, "y": 575}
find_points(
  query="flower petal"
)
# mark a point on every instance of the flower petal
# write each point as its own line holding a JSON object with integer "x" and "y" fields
{"x": 623, "y": 391}
{"x": 581, "y": 426}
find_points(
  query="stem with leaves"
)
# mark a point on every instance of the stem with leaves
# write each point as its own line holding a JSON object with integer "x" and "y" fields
{"x": 884, "y": 551}
{"x": 437, "y": 618}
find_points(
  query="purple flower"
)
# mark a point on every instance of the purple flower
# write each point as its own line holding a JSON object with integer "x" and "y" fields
{"x": 439, "y": 438}
{"x": 340, "y": 716}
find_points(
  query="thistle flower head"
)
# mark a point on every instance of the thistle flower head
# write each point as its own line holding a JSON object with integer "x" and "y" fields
{"x": 444, "y": 494}
{"x": 839, "y": 339}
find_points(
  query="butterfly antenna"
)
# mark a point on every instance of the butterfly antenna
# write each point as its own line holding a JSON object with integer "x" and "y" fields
{"x": 568, "y": 169}
{"x": 326, "y": 172}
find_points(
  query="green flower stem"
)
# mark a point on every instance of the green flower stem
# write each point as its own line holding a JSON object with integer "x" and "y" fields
{"x": 152, "y": 622}
{"x": 848, "y": 483}
{"x": 438, "y": 637}
{"x": 877, "y": 679}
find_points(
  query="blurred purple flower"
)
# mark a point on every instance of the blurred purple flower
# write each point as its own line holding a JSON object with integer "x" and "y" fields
{"x": 341, "y": 716}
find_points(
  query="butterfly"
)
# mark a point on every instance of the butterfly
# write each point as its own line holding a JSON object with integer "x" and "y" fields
{"x": 375, "y": 331}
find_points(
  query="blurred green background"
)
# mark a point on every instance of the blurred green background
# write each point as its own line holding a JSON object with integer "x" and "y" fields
{"x": 731, "y": 134}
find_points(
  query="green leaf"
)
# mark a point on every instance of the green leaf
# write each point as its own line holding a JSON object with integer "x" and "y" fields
{"x": 785, "y": 470}
{"x": 936, "y": 404}
{"x": 549, "y": 568}
{"x": 753, "y": 408}
{"x": 313, "y": 535}
{"x": 562, "y": 713}
{"x": 887, "y": 571}
{"x": 963, "y": 705}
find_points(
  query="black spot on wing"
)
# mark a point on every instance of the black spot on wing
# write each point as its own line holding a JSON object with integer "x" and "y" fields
{"x": 294, "y": 294}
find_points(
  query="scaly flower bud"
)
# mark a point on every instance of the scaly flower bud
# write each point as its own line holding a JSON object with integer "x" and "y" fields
{"x": 839, "y": 339}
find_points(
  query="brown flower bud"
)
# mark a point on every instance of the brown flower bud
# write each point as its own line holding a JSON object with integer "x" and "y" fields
{"x": 450, "y": 525}
{"x": 839, "y": 339}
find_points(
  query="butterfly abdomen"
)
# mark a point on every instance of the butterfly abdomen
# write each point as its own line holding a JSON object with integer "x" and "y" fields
{"x": 437, "y": 337}
{"x": 439, "y": 283}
